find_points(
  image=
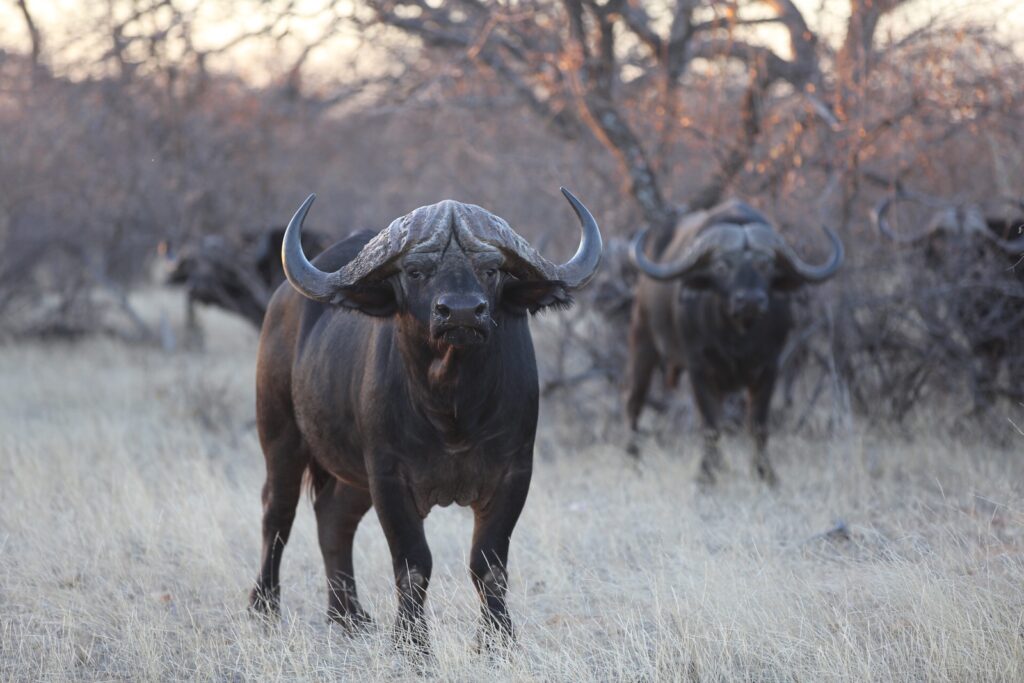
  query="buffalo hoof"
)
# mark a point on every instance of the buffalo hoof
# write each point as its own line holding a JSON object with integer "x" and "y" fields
{"x": 710, "y": 465}
{"x": 353, "y": 621}
{"x": 706, "y": 478}
{"x": 633, "y": 450}
{"x": 766, "y": 473}
{"x": 495, "y": 641}
{"x": 413, "y": 642}
{"x": 264, "y": 603}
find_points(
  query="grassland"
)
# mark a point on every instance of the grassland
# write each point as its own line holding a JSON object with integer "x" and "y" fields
{"x": 129, "y": 531}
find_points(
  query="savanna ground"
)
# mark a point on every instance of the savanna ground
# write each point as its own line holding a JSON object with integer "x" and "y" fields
{"x": 129, "y": 533}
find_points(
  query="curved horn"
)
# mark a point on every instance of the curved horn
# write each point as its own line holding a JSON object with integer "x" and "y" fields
{"x": 878, "y": 217}
{"x": 811, "y": 273}
{"x": 658, "y": 271}
{"x": 1017, "y": 204}
{"x": 309, "y": 280}
{"x": 1012, "y": 247}
{"x": 578, "y": 270}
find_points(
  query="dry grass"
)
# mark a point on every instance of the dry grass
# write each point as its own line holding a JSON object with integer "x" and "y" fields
{"x": 129, "y": 524}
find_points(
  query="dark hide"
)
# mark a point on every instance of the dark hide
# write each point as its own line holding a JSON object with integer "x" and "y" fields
{"x": 968, "y": 264}
{"x": 985, "y": 304}
{"x": 417, "y": 388}
{"x": 238, "y": 278}
{"x": 267, "y": 253}
{"x": 725, "y": 321}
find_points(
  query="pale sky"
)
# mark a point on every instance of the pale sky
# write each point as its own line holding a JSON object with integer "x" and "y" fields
{"x": 63, "y": 21}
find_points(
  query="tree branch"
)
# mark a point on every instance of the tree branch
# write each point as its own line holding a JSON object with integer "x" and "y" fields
{"x": 35, "y": 38}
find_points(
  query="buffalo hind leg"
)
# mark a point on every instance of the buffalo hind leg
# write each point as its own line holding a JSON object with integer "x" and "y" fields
{"x": 286, "y": 462}
{"x": 708, "y": 405}
{"x": 643, "y": 358}
{"x": 488, "y": 562}
{"x": 410, "y": 557}
{"x": 760, "y": 399}
{"x": 339, "y": 508}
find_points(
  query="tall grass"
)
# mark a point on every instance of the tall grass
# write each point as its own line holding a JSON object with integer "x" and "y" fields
{"x": 129, "y": 534}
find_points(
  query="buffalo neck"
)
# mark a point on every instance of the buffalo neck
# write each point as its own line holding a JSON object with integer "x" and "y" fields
{"x": 451, "y": 386}
{"x": 732, "y": 339}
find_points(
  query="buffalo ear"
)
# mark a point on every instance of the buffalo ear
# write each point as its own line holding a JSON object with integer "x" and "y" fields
{"x": 520, "y": 296}
{"x": 699, "y": 279}
{"x": 376, "y": 299}
{"x": 787, "y": 281}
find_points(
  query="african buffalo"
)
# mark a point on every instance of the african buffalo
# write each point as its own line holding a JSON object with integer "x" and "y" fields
{"x": 237, "y": 276}
{"x": 717, "y": 306}
{"x": 266, "y": 253}
{"x": 398, "y": 372}
{"x": 973, "y": 252}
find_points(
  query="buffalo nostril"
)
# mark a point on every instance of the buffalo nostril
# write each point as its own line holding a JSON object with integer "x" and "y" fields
{"x": 481, "y": 308}
{"x": 443, "y": 311}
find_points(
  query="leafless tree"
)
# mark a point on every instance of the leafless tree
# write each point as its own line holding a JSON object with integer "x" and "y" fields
{"x": 127, "y": 127}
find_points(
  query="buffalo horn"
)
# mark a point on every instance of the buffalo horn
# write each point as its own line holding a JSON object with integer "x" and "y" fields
{"x": 811, "y": 273}
{"x": 658, "y": 271}
{"x": 578, "y": 270}
{"x": 309, "y": 280}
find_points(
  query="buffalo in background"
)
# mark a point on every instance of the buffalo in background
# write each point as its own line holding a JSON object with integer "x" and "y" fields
{"x": 238, "y": 277}
{"x": 968, "y": 258}
{"x": 398, "y": 372}
{"x": 716, "y": 303}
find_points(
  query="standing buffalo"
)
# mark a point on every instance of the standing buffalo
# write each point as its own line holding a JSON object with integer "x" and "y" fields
{"x": 717, "y": 306}
{"x": 399, "y": 373}
{"x": 973, "y": 252}
{"x": 238, "y": 278}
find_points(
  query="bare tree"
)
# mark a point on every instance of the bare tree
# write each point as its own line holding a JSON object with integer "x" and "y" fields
{"x": 588, "y": 65}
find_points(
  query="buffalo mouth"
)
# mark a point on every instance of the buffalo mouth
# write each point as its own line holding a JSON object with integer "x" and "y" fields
{"x": 461, "y": 335}
{"x": 746, "y": 318}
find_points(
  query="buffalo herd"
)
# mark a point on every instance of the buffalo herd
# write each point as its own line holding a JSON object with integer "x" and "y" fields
{"x": 396, "y": 370}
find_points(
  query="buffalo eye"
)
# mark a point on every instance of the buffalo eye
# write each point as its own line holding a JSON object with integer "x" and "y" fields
{"x": 415, "y": 274}
{"x": 490, "y": 273}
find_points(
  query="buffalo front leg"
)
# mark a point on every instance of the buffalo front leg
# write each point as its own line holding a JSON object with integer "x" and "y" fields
{"x": 760, "y": 399}
{"x": 410, "y": 557}
{"x": 985, "y": 374}
{"x": 643, "y": 358}
{"x": 339, "y": 508}
{"x": 193, "y": 330}
{"x": 708, "y": 404}
{"x": 285, "y": 465}
{"x": 488, "y": 561}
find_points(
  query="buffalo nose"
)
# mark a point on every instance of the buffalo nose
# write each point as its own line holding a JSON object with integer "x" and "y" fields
{"x": 750, "y": 300}
{"x": 461, "y": 309}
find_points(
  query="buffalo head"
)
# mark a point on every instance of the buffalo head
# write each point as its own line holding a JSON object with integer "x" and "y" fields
{"x": 450, "y": 270}
{"x": 741, "y": 258}
{"x": 964, "y": 224}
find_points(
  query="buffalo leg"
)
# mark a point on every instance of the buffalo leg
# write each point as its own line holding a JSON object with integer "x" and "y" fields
{"x": 985, "y": 378}
{"x": 488, "y": 562}
{"x": 643, "y": 358}
{"x": 339, "y": 508}
{"x": 760, "y": 399}
{"x": 193, "y": 330}
{"x": 709, "y": 405}
{"x": 672, "y": 373}
{"x": 410, "y": 557}
{"x": 286, "y": 463}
